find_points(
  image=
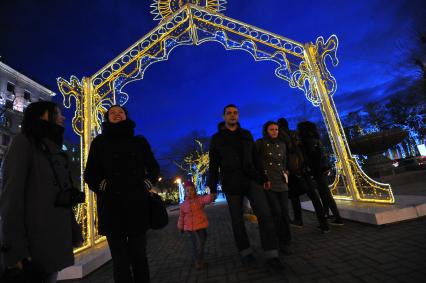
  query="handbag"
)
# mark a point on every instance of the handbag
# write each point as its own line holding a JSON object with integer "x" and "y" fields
{"x": 158, "y": 216}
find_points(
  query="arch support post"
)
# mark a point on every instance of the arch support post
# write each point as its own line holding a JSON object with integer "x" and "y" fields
{"x": 86, "y": 138}
{"x": 356, "y": 185}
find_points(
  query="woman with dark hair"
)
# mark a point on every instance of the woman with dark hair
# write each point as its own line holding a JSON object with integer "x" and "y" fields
{"x": 319, "y": 166}
{"x": 273, "y": 157}
{"x": 299, "y": 178}
{"x": 121, "y": 169}
{"x": 37, "y": 223}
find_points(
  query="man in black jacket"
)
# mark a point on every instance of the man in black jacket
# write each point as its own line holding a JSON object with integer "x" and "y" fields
{"x": 232, "y": 156}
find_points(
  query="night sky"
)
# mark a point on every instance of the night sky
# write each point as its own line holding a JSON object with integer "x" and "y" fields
{"x": 48, "y": 39}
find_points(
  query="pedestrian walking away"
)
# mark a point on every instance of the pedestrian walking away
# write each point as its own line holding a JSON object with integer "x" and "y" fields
{"x": 299, "y": 178}
{"x": 319, "y": 166}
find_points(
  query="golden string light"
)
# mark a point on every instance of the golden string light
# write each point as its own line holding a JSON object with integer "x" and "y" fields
{"x": 302, "y": 66}
{"x": 162, "y": 9}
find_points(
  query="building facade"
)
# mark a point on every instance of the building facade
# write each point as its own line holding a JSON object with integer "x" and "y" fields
{"x": 16, "y": 92}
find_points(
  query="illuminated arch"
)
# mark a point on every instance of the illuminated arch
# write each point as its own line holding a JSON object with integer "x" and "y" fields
{"x": 301, "y": 65}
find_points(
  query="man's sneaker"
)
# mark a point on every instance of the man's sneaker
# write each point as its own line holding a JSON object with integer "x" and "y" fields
{"x": 286, "y": 250}
{"x": 296, "y": 223}
{"x": 248, "y": 259}
{"x": 324, "y": 229}
{"x": 337, "y": 222}
{"x": 275, "y": 264}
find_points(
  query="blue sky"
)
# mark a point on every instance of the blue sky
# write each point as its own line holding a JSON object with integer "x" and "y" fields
{"x": 48, "y": 39}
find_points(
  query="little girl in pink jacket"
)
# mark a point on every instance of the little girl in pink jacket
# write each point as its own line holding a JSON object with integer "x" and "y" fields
{"x": 193, "y": 221}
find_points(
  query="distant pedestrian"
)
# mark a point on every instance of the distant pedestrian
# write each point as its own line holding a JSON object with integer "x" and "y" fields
{"x": 319, "y": 166}
{"x": 121, "y": 169}
{"x": 273, "y": 155}
{"x": 193, "y": 221}
{"x": 36, "y": 210}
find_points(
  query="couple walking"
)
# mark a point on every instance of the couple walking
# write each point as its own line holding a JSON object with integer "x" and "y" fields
{"x": 249, "y": 169}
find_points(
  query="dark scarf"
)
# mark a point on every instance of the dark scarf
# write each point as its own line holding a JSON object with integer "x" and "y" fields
{"x": 40, "y": 129}
{"x": 123, "y": 129}
{"x": 271, "y": 140}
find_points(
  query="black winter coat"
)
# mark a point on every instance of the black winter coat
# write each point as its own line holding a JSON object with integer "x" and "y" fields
{"x": 295, "y": 157}
{"x": 128, "y": 165}
{"x": 315, "y": 156}
{"x": 235, "y": 168}
{"x": 273, "y": 156}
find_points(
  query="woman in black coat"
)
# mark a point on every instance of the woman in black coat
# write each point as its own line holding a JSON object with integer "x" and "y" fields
{"x": 319, "y": 166}
{"x": 37, "y": 229}
{"x": 121, "y": 169}
{"x": 273, "y": 157}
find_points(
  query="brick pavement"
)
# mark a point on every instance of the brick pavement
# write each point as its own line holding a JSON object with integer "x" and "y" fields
{"x": 352, "y": 253}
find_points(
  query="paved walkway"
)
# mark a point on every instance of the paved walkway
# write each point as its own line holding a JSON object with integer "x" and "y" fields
{"x": 354, "y": 252}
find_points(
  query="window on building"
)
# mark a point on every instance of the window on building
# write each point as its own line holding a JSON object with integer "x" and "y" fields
{"x": 27, "y": 95}
{"x": 10, "y": 87}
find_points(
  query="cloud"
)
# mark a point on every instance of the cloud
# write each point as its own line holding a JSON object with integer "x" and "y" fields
{"x": 355, "y": 100}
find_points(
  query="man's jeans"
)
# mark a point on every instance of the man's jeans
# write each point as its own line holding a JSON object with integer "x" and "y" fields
{"x": 278, "y": 202}
{"x": 259, "y": 203}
